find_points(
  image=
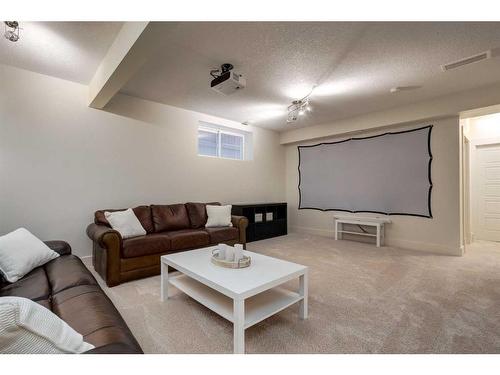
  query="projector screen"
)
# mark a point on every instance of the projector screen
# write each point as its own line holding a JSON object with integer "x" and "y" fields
{"x": 388, "y": 174}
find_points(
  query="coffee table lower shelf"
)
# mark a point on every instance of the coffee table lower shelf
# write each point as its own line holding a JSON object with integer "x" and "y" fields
{"x": 257, "y": 308}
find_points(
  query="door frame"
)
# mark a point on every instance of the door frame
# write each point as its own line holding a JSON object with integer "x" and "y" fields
{"x": 466, "y": 186}
{"x": 473, "y": 175}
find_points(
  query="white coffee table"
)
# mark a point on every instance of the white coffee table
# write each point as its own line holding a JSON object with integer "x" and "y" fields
{"x": 243, "y": 296}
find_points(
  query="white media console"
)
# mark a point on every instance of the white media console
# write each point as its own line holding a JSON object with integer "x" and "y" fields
{"x": 377, "y": 222}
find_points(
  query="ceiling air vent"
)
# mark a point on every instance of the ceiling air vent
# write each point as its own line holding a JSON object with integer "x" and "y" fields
{"x": 468, "y": 60}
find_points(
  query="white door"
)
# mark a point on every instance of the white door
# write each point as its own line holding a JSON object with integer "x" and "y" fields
{"x": 487, "y": 192}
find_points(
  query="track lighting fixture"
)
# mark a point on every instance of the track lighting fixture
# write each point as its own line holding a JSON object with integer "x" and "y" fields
{"x": 298, "y": 108}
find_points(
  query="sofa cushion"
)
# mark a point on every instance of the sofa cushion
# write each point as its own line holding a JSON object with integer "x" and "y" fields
{"x": 145, "y": 245}
{"x": 188, "y": 238}
{"x": 170, "y": 217}
{"x": 143, "y": 214}
{"x": 198, "y": 213}
{"x": 67, "y": 271}
{"x": 45, "y": 303}
{"x": 118, "y": 337}
{"x": 34, "y": 286}
{"x": 222, "y": 234}
{"x": 90, "y": 312}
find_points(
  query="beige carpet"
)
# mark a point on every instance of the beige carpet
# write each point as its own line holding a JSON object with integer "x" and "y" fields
{"x": 362, "y": 300}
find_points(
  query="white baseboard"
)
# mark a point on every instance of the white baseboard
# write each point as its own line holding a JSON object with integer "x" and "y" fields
{"x": 393, "y": 242}
{"x": 318, "y": 232}
{"x": 424, "y": 247}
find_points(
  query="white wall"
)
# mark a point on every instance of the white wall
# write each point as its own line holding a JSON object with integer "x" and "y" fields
{"x": 60, "y": 160}
{"x": 441, "y": 234}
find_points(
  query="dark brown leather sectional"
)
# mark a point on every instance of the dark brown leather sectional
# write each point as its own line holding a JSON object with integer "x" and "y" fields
{"x": 170, "y": 228}
{"x": 67, "y": 288}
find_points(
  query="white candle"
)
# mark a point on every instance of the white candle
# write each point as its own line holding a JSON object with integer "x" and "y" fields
{"x": 222, "y": 250}
{"x": 229, "y": 253}
{"x": 238, "y": 252}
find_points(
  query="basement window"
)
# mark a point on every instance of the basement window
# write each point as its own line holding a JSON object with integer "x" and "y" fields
{"x": 220, "y": 142}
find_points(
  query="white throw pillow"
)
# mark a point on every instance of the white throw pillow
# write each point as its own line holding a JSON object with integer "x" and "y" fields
{"x": 219, "y": 216}
{"x": 125, "y": 222}
{"x": 20, "y": 252}
{"x": 29, "y": 328}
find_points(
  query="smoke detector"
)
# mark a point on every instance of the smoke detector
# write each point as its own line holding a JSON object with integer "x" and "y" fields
{"x": 404, "y": 88}
{"x": 471, "y": 59}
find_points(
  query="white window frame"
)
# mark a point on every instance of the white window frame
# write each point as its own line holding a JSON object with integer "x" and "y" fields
{"x": 219, "y": 133}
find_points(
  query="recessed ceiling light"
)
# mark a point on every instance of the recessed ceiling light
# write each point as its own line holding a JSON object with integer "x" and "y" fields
{"x": 404, "y": 88}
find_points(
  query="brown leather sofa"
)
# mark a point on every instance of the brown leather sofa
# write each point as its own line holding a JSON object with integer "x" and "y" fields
{"x": 170, "y": 228}
{"x": 67, "y": 288}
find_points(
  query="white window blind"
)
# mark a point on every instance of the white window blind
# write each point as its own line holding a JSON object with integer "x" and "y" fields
{"x": 220, "y": 143}
{"x": 207, "y": 142}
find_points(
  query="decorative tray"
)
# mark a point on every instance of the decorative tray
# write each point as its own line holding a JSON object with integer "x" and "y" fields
{"x": 242, "y": 263}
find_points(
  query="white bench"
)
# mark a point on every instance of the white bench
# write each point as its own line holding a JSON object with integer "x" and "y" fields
{"x": 377, "y": 222}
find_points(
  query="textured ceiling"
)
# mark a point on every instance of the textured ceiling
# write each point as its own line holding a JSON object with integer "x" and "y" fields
{"x": 67, "y": 50}
{"x": 353, "y": 64}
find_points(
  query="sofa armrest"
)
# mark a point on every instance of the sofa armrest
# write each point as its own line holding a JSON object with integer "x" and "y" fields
{"x": 107, "y": 245}
{"x": 118, "y": 348}
{"x": 60, "y": 247}
{"x": 100, "y": 234}
{"x": 240, "y": 222}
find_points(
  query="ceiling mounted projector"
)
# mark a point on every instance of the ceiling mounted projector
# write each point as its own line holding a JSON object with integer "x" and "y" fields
{"x": 226, "y": 81}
